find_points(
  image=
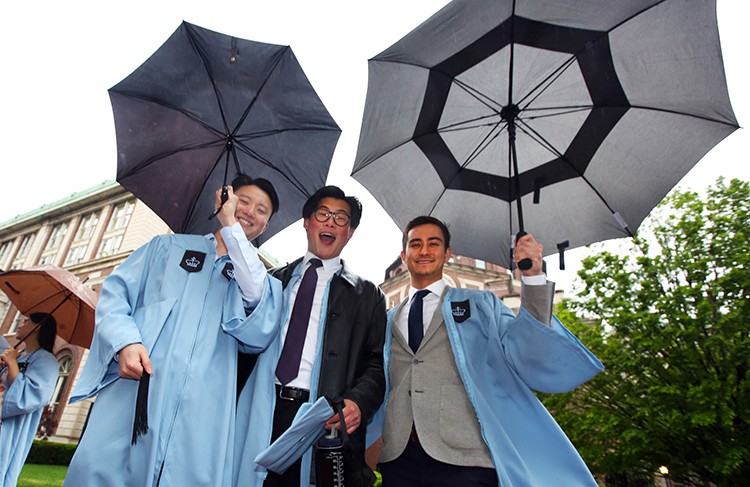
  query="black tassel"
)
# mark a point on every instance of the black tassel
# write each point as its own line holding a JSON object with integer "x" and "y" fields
{"x": 140, "y": 423}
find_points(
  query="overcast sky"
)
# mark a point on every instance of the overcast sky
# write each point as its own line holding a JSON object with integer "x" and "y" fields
{"x": 59, "y": 58}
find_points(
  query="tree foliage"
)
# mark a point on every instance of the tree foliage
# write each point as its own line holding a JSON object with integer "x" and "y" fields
{"x": 670, "y": 319}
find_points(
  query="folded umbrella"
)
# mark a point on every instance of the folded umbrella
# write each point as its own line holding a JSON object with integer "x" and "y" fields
{"x": 308, "y": 426}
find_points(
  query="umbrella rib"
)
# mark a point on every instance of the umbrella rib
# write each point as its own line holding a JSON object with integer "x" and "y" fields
{"x": 157, "y": 157}
{"x": 484, "y": 143}
{"x": 543, "y": 85}
{"x": 54, "y": 283}
{"x": 479, "y": 96}
{"x": 634, "y": 15}
{"x": 547, "y": 145}
{"x": 157, "y": 101}
{"x": 690, "y": 115}
{"x": 247, "y": 150}
{"x": 459, "y": 126}
{"x": 251, "y": 104}
{"x": 270, "y": 133}
{"x": 204, "y": 60}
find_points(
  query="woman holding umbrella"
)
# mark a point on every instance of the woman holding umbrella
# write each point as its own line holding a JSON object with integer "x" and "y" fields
{"x": 29, "y": 380}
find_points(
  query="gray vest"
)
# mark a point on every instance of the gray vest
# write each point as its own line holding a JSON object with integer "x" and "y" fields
{"x": 427, "y": 391}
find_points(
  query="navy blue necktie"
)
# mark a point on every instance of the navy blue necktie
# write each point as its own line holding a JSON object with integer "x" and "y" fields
{"x": 288, "y": 367}
{"x": 416, "y": 323}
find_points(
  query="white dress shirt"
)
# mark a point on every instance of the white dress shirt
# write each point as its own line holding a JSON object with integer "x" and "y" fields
{"x": 249, "y": 271}
{"x": 325, "y": 273}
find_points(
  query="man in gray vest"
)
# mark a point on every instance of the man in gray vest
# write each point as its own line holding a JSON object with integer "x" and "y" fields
{"x": 461, "y": 369}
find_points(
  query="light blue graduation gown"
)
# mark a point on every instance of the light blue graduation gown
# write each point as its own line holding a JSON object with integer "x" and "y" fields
{"x": 23, "y": 403}
{"x": 501, "y": 358}
{"x": 257, "y": 401}
{"x": 192, "y": 322}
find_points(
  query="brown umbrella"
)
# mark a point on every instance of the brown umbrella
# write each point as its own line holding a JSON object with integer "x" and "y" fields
{"x": 50, "y": 289}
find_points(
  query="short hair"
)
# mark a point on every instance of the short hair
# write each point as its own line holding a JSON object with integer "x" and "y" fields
{"x": 335, "y": 192}
{"x": 263, "y": 184}
{"x": 426, "y": 220}
{"x": 47, "y": 329}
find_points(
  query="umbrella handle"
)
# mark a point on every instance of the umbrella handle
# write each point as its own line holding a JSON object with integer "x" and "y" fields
{"x": 224, "y": 198}
{"x": 523, "y": 264}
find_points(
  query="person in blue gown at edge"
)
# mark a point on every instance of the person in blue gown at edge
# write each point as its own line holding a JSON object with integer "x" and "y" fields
{"x": 29, "y": 380}
{"x": 177, "y": 309}
{"x": 459, "y": 407}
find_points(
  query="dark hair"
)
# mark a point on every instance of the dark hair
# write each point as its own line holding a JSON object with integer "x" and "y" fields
{"x": 333, "y": 192}
{"x": 47, "y": 329}
{"x": 426, "y": 220}
{"x": 262, "y": 184}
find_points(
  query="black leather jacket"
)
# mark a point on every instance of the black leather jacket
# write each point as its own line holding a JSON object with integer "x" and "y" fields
{"x": 352, "y": 354}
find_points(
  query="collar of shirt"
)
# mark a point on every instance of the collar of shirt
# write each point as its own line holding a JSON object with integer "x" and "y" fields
{"x": 330, "y": 265}
{"x": 430, "y": 305}
{"x": 538, "y": 280}
{"x": 436, "y": 288}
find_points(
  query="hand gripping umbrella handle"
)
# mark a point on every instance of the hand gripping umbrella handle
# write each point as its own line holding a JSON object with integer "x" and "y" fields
{"x": 224, "y": 198}
{"x": 523, "y": 264}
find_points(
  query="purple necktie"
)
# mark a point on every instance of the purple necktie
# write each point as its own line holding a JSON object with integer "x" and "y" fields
{"x": 416, "y": 323}
{"x": 288, "y": 367}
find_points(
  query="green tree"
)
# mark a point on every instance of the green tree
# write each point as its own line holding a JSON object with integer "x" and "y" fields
{"x": 670, "y": 319}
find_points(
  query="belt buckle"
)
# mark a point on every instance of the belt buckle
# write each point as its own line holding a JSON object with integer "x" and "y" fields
{"x": 282, "y": 396}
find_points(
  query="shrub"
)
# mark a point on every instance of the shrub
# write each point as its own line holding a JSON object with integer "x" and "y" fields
{"x": 50, "y": 453}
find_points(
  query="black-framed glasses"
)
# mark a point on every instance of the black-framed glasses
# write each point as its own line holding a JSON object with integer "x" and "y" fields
{"x": 341, "y": 218}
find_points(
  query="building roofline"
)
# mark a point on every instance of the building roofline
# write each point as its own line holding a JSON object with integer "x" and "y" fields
{"x": 104, "y": 188}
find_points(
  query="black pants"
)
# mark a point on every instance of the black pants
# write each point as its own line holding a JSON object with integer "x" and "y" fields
{"x": 415, "y": 468}
{"x": 283, "y": 415}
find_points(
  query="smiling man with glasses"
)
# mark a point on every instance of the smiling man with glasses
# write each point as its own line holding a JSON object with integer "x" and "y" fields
{"x": 334, "y": 350}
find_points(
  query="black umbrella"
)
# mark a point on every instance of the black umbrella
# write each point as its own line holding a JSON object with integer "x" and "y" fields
{"x": 206, "y": 106}
{"x": 572, "y": 117}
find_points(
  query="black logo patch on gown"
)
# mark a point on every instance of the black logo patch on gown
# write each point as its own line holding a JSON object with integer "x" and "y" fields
{"x": 228, "y": 271}
{"x": 192, "y": 261}
{"x": 460, "y": 310}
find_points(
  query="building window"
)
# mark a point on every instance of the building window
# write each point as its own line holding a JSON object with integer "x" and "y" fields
{"x": 110, "y": 246}
{"x": 112, "y": 238}
{"x": 15, "y": 323}
{"x": 121, "y": 216}
{"x": 57, "y": 236}
{"x": 23, "y": 250}
{"x": 5, "y": 249}
{"x": 75, "y": 254}
{"x": 54, "y": 242}
{"x": 48, "y": 258}
{"x": 87, "y": 226}
{"x": 64, "y": 366}
{"x": 81, "y": 240}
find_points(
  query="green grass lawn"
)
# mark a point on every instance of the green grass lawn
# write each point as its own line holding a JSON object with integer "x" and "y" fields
{"x": 42, "y": 475}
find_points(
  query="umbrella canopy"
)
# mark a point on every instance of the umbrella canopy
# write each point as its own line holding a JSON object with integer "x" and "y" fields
{"x": 50, "y": 289}
{"x": 206, "y": 106}
{"x": 575, "y": 118}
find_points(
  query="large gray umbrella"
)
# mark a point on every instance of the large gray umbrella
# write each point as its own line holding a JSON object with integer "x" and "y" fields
{"x": 571, "y": 117}
{"x": 206, "y": 106}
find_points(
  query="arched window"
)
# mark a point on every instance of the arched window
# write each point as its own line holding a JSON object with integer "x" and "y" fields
{"x": 64, "y": 366}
